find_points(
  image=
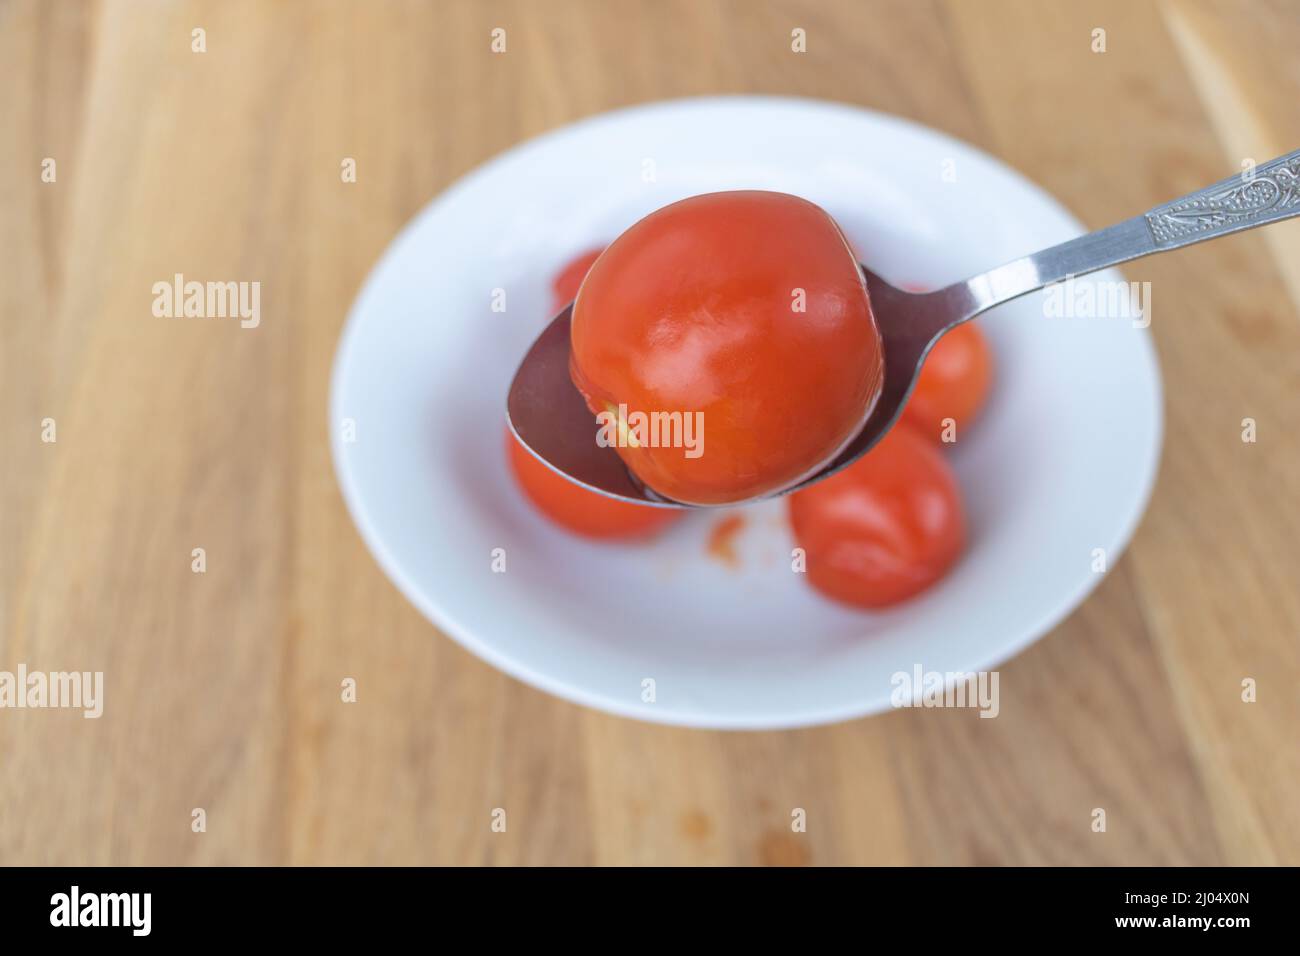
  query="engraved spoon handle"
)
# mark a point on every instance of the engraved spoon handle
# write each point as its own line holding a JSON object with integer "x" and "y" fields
{"x": 1258, "y": 196}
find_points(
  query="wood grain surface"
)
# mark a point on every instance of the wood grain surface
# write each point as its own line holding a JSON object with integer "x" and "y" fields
{"x": 223, "y": 689}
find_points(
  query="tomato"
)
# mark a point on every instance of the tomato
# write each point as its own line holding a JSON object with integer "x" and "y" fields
{"x": 885, "y": 528}
{"x": 565, "y": 285}
{"x": 954, "y": 382}
{"x": 577, "y": 509}
{"x": 743, "y": 313}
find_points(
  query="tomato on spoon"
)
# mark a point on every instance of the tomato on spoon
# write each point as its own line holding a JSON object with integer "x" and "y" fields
{"x": 743, "y": 314}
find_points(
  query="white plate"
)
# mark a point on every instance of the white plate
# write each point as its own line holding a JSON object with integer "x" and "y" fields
{"x": 1061, "y": 463}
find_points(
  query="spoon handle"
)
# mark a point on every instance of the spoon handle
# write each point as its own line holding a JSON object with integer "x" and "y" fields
{"x": 1269, "y": 192}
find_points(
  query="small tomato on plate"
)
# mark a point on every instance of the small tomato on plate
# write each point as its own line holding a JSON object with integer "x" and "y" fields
{"x": 577, "y": 509}
{"x": 565, "y": 285}
{"x": 954, "y": 382}
{"x": 886, "y": 527}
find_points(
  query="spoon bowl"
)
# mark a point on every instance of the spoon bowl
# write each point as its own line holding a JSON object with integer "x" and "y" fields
{"x": 550, "y": 417}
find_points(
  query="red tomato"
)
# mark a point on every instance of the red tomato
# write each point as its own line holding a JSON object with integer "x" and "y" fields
{"x": 568, "y": 280}
{"x": 745, "y": 313}
{"x": 886, "y": 527}
{"x": 577, "y": 509}
{"x": 954, "y": 382}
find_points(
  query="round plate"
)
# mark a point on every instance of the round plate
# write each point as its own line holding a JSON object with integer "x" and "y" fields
{"x": 1060, "y": 464}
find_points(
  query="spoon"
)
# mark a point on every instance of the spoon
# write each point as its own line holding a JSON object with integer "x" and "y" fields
{"x": 547, "y": 413}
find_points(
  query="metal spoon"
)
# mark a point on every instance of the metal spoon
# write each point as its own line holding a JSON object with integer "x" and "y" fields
{"x": 549, "y": 416}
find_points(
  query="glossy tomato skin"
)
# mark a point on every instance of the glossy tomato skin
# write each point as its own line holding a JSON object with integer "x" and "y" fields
{"x": 747, "y": 307}
{"x": 954, "y": 382}
{"x": 578, "y": 510}
{"x": 565, "y": 285}
{"x": 885, "y": 528}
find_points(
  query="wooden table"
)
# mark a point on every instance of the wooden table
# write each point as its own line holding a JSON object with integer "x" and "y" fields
{"x": 224, "y": 687}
